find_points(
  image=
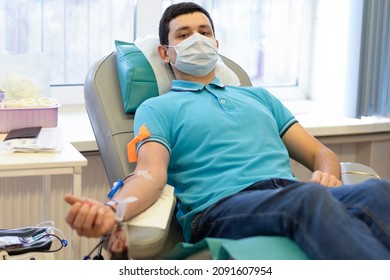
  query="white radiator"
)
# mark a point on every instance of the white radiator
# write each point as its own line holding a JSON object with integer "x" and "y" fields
{"x": 21, "y": 202}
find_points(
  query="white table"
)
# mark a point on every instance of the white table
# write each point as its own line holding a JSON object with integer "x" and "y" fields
{"x": 68, "y": 161}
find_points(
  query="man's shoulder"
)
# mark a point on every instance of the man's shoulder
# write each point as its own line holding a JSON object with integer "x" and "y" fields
{"x": 160, "y": 97}
{"x": 161, "y": 102}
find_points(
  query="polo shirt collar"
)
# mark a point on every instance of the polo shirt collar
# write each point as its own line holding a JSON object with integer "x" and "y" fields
{"x": 181, "y": 85}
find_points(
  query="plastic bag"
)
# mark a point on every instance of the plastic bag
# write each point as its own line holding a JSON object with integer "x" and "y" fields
{"x": 26, "y": 75}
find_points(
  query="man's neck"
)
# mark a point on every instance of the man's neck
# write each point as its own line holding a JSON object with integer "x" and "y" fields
{"x": 198, "y": 79}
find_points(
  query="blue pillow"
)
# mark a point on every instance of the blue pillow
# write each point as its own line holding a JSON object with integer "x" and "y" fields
{"x": 136, "y": 77}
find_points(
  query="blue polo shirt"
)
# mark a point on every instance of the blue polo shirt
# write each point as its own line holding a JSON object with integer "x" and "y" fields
{"x": 221, "y": 139}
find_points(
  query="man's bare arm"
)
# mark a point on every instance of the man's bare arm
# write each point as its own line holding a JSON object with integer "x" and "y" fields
{"x": 307, "y": 150}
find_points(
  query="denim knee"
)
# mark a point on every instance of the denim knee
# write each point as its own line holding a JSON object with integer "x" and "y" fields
{"x": 311, "y": 191}
{"x": 377, "y": 193}
{"x": 308, "y": 201}
{"x": 376, "y": 187}
{"x": 368, "y": 193}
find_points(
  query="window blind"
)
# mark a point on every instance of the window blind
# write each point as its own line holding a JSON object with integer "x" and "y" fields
{"x": 374, "y": 75}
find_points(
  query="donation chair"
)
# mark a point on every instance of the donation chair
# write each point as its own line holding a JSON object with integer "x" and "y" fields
{"x": 114, "y": 87}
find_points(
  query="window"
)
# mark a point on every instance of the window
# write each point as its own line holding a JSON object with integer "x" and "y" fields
{"x": 74, "y": 32}
{"x": 264, "y": 37}
{"x": 298, "y": 49}
{"x": 77, "y": 33}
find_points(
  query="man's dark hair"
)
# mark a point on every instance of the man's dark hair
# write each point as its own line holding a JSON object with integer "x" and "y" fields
{"x": 176, "y": 10}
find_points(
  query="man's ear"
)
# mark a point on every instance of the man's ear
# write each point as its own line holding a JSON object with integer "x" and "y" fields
{"x": 162, "y": 50}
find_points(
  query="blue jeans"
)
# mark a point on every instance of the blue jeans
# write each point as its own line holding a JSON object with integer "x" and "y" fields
{"x": 348, "y": 222}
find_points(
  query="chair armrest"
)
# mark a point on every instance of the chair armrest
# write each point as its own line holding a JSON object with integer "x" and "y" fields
{"x": 353, "y": 172}
{"x": 148, "y": 232}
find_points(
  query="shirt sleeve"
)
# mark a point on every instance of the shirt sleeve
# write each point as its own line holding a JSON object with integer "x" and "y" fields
{"x": 157, "y": 124}
{"x": 283, "y": 117}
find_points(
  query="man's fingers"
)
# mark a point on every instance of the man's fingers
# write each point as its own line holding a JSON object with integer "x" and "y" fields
{"x": 325, "y": 179}
{"x": 73, "y": 212}
{"x": 71, "y": 199}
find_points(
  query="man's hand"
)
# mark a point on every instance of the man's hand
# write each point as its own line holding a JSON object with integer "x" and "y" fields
{"x": 89, "y": 217}
{"x": 326, "y": 179}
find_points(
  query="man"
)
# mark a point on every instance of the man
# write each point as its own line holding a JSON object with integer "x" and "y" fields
{"x": 227, "y": 150}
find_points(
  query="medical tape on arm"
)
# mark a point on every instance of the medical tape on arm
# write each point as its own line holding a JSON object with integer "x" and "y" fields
{"x": 122, "y": 204}
{"x": 121, "y": 209}
{"x": 145, "y": 174}
{"x": 132, "y": 145}
{"x": 119, "y": 184}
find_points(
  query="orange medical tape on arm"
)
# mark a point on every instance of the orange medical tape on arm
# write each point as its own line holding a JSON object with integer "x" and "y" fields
{"x": 132, "y": 145}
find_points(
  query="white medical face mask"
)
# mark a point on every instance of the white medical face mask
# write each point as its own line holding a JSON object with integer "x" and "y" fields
{"x": 196, "y": 55}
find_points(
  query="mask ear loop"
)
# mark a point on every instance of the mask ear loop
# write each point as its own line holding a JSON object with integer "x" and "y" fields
{"x": 169, "y": 62}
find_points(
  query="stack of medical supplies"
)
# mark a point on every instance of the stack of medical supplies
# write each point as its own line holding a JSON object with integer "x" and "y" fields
{"x": 27, "y": 112}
